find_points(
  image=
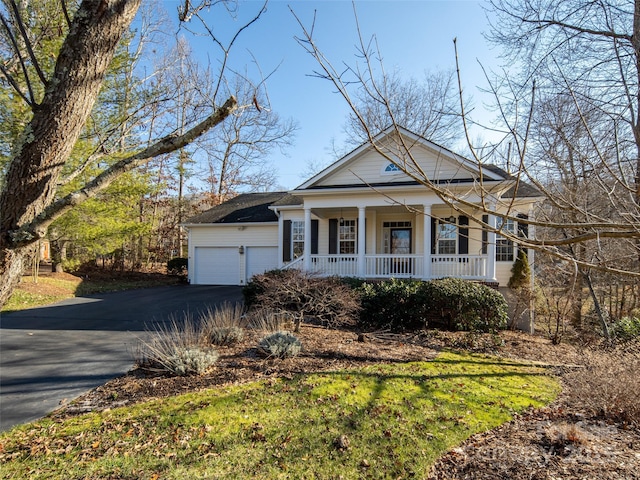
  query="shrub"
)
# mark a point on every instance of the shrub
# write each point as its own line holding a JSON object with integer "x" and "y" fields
{"x": 459, "y": 304}
{"x": 520, "y": 272}
{"x": 180, "y": 348}
{"x": 325, "y": 299}
{"x": 396, "y": 305}
{"x": 625, "y": 329}
{"x": 280, "y": 345}
{"x": 177, "y": 266}
{"x": 191, "y": 360}
{"x": 224, "y": 325}
{"x": 450, "y": 303}
{"x": 608, "y": 383}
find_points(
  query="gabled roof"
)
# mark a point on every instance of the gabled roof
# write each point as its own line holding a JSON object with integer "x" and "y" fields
{"x": 245, "y": 208}
{"x": 468, "y": 170}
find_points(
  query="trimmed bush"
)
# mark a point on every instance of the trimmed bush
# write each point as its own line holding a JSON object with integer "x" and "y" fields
{"x": 177, "y": 266}
{"x": 458, "y": 304}
{"x": 396, "y": 305}
{"x": 520, "y": 272}
{"x": 450, "y": 303}
{"x": 280, "y": 345}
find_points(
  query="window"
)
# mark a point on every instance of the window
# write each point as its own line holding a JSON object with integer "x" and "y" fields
{"x": 447, "y": 237}
{"x": 391, "y": 168}
{"x": 347, "y": 237}
{"x": 297, "y": 238}
{"x": 504, "y": 246}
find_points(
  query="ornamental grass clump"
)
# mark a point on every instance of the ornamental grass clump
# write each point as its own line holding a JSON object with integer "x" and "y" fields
{"x": 280, "y": 345}
{"x": 225, "y": 324}
{"x": 178, "y": 348}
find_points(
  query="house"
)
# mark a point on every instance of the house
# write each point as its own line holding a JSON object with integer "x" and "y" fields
{"x": 375, "y": 213}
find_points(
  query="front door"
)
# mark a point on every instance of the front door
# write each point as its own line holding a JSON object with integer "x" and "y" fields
{"x": 401, "y": 245}
{"x": 401, "y": 241}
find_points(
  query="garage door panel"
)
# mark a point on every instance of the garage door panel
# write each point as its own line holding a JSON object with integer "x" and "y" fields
{"x": 261, "y": 259}
{"x": 217, "y": 266}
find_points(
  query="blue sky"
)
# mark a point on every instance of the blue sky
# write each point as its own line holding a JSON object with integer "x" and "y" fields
{"x": 414, "y": 37}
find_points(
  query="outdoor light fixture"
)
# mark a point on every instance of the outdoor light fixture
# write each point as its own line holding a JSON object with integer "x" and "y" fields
{"x": 341, "y": 218}
{"x": 241, "y": 249}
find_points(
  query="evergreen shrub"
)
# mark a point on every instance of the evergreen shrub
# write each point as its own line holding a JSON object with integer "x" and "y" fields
{"x": 450, "y": 303}
{"x": 280, "y": 345}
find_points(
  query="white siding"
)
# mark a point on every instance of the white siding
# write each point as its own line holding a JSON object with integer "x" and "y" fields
{"x": 369, "y": 168}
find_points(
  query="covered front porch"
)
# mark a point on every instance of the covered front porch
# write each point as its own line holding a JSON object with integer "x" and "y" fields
{"x": 385, "y": 241}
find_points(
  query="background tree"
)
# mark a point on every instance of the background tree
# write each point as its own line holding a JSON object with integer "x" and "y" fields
{"x": 428, "y": 107}
{"x": 60, "y": 89}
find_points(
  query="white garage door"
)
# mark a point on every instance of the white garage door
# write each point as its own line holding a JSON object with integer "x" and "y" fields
{"x": 217, "y": 266}
{"x": 261, "y": 259}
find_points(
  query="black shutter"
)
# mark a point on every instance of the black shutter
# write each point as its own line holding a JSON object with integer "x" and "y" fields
{"x": 286, "y": 241}
{"x": 523, "y": 229}
{"x": 314, "y": 237}
{"x": 333, "y": 236}
{"x": 433, "y": 235}
{"x": 463, "y": 235}
{"x": 485, "y": 235}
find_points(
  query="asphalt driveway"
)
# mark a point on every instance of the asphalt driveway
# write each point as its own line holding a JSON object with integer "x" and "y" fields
{"x": 51, "y": 355}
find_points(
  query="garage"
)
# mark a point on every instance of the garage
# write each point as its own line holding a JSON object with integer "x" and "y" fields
{"x": 233, "y": 241}
{"x": 216, "y": 266}
{"x": 261, "y": 259}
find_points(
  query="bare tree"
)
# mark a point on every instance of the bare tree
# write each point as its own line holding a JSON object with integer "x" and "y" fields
{"x": 61, "y": 101}
{"x": 428, "y": 107}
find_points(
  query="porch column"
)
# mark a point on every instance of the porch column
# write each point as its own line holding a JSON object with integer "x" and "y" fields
{"x": 361, "y": 241}
{"x": 426, "y": 242}
{"x": 491, "y": 248}
{"x": 307, "y": 240}
{"x": 280, "y": 237}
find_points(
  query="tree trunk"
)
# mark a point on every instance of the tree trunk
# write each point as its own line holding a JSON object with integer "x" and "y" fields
{"x": 12, "y": 264}
{"x": 48, "y": 139}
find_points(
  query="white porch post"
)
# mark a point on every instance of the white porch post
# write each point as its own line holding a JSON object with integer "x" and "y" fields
{"x": 307, "y": 240}
{"x": 491, "y": 248}
{"x": 361, "y": 241}
{"x": 280, "y": 235}
{"x": 426, "y": 242}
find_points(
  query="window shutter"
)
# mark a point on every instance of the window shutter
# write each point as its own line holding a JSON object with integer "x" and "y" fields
{"x": 485, "y": 235}
{"x": 463, "y": 235}
{"x": 314, "y": 237}
{"x": 523, "y": 229}
{"x": 333, "y": 236}
{"x": 434, "y": 225}
{"x": 286, "y": 241}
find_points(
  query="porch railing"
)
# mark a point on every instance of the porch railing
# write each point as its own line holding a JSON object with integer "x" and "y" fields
{"x": 389, "y": 265}
{"x": 459, "y": 266}
{"x": 335, "y": 265}
{"x": 398, "y": 266}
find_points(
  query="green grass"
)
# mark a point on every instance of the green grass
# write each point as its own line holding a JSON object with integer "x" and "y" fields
{"x": 48, "y": 290}
{"x": 398, "y": 420}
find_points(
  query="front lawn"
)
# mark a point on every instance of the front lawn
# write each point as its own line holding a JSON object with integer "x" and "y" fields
{"x": 380, "y": 421}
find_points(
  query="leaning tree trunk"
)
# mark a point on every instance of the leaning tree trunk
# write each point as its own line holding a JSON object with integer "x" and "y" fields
{"x": 57, "y": 121}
